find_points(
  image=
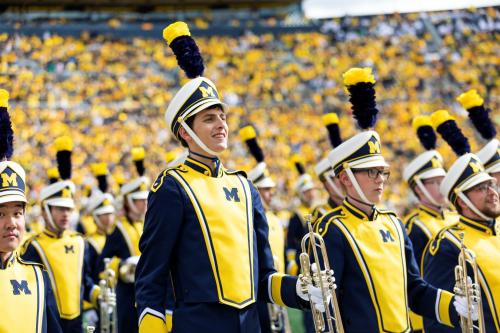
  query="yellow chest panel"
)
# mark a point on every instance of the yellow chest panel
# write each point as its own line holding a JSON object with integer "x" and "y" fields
{"x": 63, "y": 258}
{"x": 434, "y": 225}
{"x": 276, "y": 240}
{"x": 224, "y": 210}
{"x": 97, "y": 240}
{"x": 88, "y": 224}
{"x": 487, "y": 250}
{"x": 132, "y": 233}
{"x": 379, "y": 249}
{"x": 22, "y": 299}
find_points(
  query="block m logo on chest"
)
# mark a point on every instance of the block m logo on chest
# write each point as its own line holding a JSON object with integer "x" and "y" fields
{"x": 232, "y": 194}
{"x": 18, "y": 287}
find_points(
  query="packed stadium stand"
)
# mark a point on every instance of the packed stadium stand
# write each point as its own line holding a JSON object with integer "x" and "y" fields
{"x": 108, "y": 80}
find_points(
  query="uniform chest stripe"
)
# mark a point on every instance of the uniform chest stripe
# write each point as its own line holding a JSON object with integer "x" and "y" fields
{"x": 484, "y": 284}
{"x": 46, "y": 263}
{"x": 40, "y": 298}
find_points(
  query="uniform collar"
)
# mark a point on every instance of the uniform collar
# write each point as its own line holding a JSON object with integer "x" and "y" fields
{"x": 331, "y": 203}
{"x": 52, "y": 234}
{"x": 432, "y": 212}
{"x": 491, "y": 227}
{"x": 359, "y": 213}
{"x": 203, "y": 168}
{"x": 10, "y": 262}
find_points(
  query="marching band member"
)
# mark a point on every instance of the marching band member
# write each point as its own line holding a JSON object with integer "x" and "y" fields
{"x": 377, "y": 276}
{"x": 61, "y": 250}
{"x": 122, "y": 243}
{"x": 205, "y": 228}
{"x": 25, "y": 287}
{"x": 474, "y": 193}
{"x": 324, "y": 171}
{"x": 269, "y": 314}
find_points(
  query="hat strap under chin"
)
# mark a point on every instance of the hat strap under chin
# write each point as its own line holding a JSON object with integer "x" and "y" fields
{"x": 335, "y": 188}
{"x": 50, "y": 220}
{"x": 426, "y": 193}
{"x": 197, "y": 139}
{"x": 358, "y": 189}
{"x": 472, "y": 207}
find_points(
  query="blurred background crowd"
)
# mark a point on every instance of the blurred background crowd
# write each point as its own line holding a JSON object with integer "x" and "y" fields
{"x": 109, "y": 91}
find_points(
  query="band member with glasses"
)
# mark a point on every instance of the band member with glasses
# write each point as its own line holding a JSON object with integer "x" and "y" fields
{"x": 375, "y": 269}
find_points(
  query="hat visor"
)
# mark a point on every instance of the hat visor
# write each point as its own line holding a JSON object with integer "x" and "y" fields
{"x": 436, "y": 172}
{"x": 369, "y": 162}
{"x": 61, "y": 202}
{"x": 205, "y": 105}
{"x": 13, "y": 198}
{"x": 104, "y": 210}
{"x": 265, "y": 183}
{"x": 141, "y": 195}
{"x": 306, "y": 187}
{"x": 474, "y": 180}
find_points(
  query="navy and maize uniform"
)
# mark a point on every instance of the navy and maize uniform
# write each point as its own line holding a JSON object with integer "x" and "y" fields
{"x": 28, "y": 304}
{"x": 122, "y": 243}
{"x": 422, "y": 224}
{"x": 377, "y": 277}
{"x": 96, "y": 243}
{"x": 65, "y": 258}
{"x": 322, "y": 209}
{"x": 208, "y": 230}
{"x": 442, "y": 257}
{"x": 297, "y": 228}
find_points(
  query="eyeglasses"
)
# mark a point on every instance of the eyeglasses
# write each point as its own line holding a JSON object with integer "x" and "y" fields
{"x": 483, "y": 187}
{"x": 374, "y": 173}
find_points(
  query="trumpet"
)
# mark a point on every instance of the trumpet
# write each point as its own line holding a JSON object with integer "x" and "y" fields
{"x": 462, "y": 288}
{"x": 321, "y": 276}
{"x": 107, "y": 313}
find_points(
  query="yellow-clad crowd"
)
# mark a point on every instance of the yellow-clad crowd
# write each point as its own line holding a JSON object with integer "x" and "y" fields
{"x": 111, "y": 94}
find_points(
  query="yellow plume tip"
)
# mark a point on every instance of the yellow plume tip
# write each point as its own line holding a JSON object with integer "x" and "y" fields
{"x": 53, "y": 173}
{"x": 420, "y": 121}
{"x": 470, "y": 99}
{"x": 99, "y": 169}
{"x": 330, "y": 118}
{"x": 4, "y": 98}
{"x": 175, "y": 30}
{"x": 296, "y": 158}
{"x": 247, "y": 133}
{"x": 63, "y": 143}
{"x": 138, "y": 153}
{"x": 357, "y": 75}
{"x": 439, "y": 117}
{"x": 119, "y": 179}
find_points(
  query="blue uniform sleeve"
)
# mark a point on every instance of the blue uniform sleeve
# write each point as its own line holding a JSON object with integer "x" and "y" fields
{"x": 115, "y": 248}
{"x": 273, "y": 287}
{"x": 335, "y": 246}
{"x": 424, "y": 299}
{"x": 419, "y": 239}
{"x": 51, "y": 311}
{"x": 161, "y": 227}
{"x": 439, "y": 269}
{"x": 29, "y": 253}
{"x": 90, "y": 289}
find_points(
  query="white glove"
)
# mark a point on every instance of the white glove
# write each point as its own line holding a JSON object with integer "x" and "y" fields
{"x": 127, "y": 270}
{"x": 132, "y": 260}
{"x": 460, "y": 304}
{"x": 90, "y": 317}
{"x": 314, "y": 293}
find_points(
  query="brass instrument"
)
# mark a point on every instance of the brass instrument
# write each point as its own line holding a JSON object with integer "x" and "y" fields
{"x": 107, "y": 313}
{"x": 321, "y": 276}
{"x": 462, "y": 288}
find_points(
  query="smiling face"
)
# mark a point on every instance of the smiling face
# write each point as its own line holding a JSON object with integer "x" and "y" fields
{"x": 484, "y": 197}
{"x": 12, "y": 226}
{"x": 211, "y": 128}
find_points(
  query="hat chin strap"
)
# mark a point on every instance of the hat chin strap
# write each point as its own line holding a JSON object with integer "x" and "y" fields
{"x": 426, "y": 193}
{"x": 197, "y": 139}
{"x": 98, "y": 222}
{"x": 471, "y": 206}
{"x": 49, "y": 218}
{"x": 334, "y": 187}
{"x": 358, "y": 189}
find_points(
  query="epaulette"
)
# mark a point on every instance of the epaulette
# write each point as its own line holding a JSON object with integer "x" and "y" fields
{"x": 159, "y": 180}
{"x": 324, "y": 222}
{"x": 436, "y": 242}
{"x": 31, "y": 263}
{"x": 387, "y": 211}
{"x": 236, "y": 172}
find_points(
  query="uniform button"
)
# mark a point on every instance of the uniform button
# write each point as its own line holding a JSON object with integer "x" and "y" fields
{"x": 320, "y": 229}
